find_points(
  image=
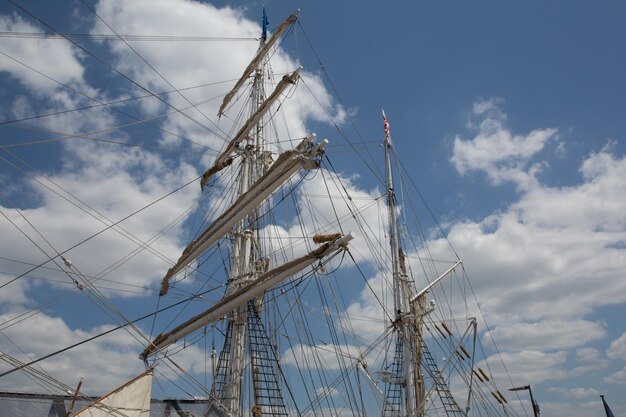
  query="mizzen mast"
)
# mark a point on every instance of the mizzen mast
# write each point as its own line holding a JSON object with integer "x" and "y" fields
{"x": 407, "y": 382}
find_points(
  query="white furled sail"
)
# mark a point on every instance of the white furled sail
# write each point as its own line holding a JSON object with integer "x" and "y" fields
{"x": 254, "y": 289}
{"x": 262, "y": 53}
{"x": 285, "y": 82}
{"x": 287, "y": 164}
{"x": 129, "y": 400}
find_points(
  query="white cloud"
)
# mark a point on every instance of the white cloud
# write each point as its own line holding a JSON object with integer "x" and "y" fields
{"x": 617, "y": 349}
{"x": 117, "y": 181}
{"x": 618, "y": 377}
{"x": 527, "y": 366}
{"x": 546, "y": 335}
{"x": 575, "y": 393}
{"x": 496, "y": 151}
{"x": 587, "y": 354}
{"x": 104, "y": 182}
{"x": 17, "y": 295}
{"x": 104, "y": 362}
{"x": 536, "y": 259}
{"x": 573, "y": 409}
{"x": 326, "y": 392}
{"x": 366, "y": 313}
{"x": 205, "y": 62}
{"x": 57, "y": 59}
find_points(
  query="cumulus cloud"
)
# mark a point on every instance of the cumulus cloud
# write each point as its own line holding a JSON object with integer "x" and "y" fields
{"x": 527, "y": 366}
{"x": 618, "y": 377}
{"x": 617, "y": 349}
{"x": 574, "y": 409}
{"x": 533, "y": 261}
{"x": 114, "y": 363}
{"x": 587, "y": 354}
{"x": 575, "y": 393}
{"x": 500, "y": 154}
{"x": 205, "y": 63}
{"x": 85, "y": 185}
{"x": 546, "y": 335}
{"x": 530, "y": 263}
{"x": 24, "y": 59}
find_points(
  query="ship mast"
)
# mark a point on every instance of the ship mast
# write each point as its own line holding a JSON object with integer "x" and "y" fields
{"x": 247, "y": 348}
{"x": 246, "y": 238}
{"x": 408, "y": 316}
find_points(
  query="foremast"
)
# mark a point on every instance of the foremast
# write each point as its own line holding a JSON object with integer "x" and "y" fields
{"x": 408, "y": 319}
{"x": 246, "y": 342}
{"x": 247, "y": 263}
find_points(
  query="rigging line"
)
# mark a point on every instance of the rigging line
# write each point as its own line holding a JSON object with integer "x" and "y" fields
{"x": 105, "y": 104}
{"x": 151, "y": 66}
{"x": 353, "y": 211}
{"x": 101, "y": 102}
{"x": 158, "y": 303}
{"x": 356, "y": 362}
{"x": 117, "y": 71}
{"x": 30, "y": 239}
{"x": 40, "y": 308}
{"x": 117, "y": 37}
{"x": 39, "y": 377}
{"x": 445, "y": 235}
{"x": 41, "y": 371}
{"x": 343, "y": 134}
{"x": 335, "y": 336}
{"x": 198, "y": 293}
{"x": 487, "y": 327}
{"x": 389, "y": 317}
{"x": 59, "y": 270}
{"x": 122, "y": 231}
{"x": 428, "y": 263}
{"x": 146, "y": 291}
{"x": 68, "y": 264}
{"x": 126, "y": 234}
{"x": 342, "y": 303}
{"x": 191, "y": 381}
{"x": 323, "y": 68}
{"x": 89, "y": 339}
{"x": 332, "y": 202}
{"x": 86, "y": 135}
{"x": 33, "y": 312}
{"x": 141, "y": 245}
{"x": 426, "y": 248}
{"x": 103, "y": 230}
{"x": 303, "y": 333}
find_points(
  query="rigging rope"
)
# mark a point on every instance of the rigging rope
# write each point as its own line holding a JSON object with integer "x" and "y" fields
{"x": 117, "y": 71}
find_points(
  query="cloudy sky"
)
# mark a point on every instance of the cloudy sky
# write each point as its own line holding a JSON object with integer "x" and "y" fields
{"x": 509, "y": 118}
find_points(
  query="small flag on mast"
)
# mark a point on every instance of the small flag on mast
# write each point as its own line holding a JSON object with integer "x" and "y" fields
{"x": 386, "y": 127}
{"x": 608, "y": 411}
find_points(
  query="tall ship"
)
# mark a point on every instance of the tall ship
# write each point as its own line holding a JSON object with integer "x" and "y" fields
{"x": 297, "y": 292}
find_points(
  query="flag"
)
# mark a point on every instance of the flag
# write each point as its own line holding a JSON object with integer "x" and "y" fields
{"x": 386, "y": 127}
{"x": 265, "y": 23}
{"x": 608, "y": 411}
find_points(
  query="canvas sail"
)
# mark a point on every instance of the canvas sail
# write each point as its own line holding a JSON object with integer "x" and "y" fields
{"x": 129, "y": 400}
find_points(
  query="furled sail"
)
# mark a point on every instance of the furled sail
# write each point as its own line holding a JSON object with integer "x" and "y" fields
{"x": 286, "y": 81}
{"x": 261, "y": 54}
{"x": 129, "y": 400}
{"x": 247, "y": 293}
{"x": 287, "y": 164}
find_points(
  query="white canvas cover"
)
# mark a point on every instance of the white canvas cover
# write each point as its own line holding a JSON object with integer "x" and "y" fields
{"x": 129, "y": 400}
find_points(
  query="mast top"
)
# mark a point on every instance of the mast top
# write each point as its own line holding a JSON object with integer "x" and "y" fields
{"x": 264, "y": 24}
{"x": 386, "y": 127}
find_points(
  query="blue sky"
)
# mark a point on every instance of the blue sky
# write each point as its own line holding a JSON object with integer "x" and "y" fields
{"x": 508, "y": 116}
